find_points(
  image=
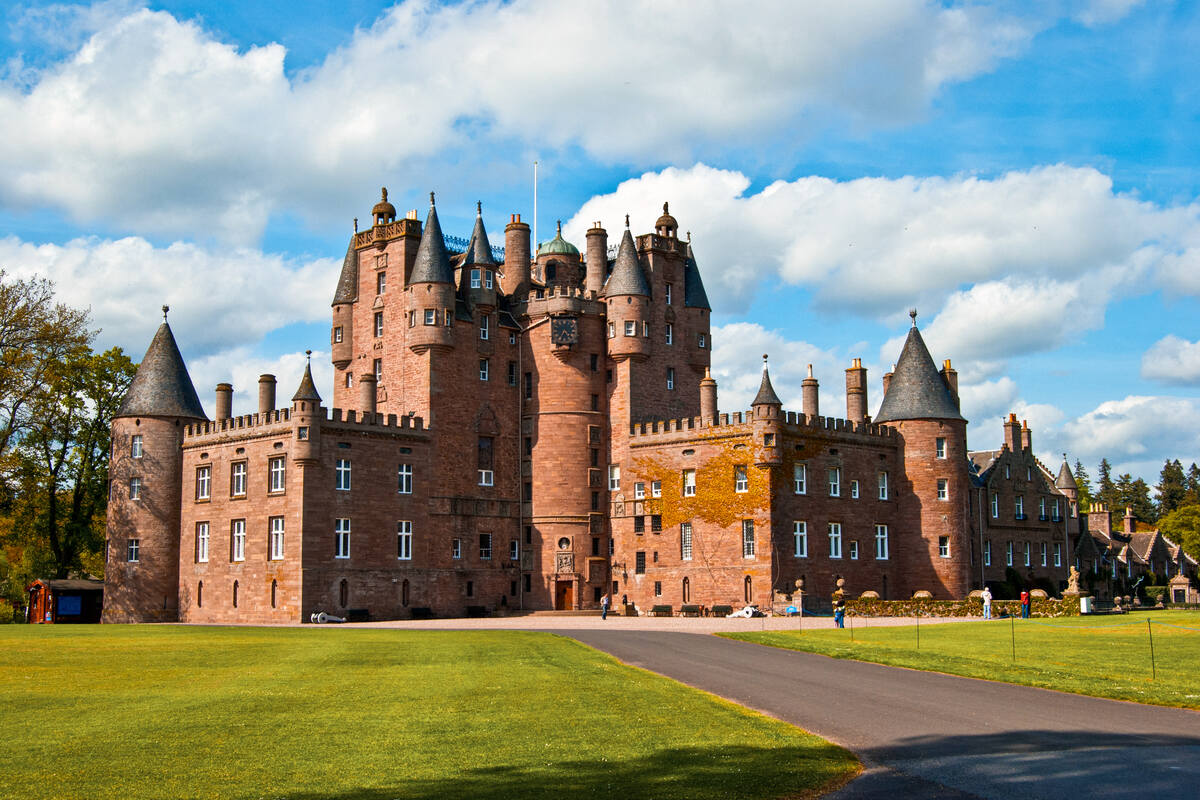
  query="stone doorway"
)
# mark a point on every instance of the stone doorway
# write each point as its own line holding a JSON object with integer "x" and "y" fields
{"x": 564, "y": 595}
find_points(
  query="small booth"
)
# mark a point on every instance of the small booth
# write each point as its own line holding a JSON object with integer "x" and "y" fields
{"x": 65, "y": 600}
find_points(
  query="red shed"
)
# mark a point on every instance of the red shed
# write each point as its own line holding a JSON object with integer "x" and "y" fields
{"x": 65, "y": 600}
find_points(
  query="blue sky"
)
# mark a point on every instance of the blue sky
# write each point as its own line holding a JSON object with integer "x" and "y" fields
{"x": 1023, "y": 174}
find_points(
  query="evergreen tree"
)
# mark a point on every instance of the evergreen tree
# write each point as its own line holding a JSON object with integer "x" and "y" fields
{"x": 1172, "y": 486}
{"x": 1182, "y": 526}
{"x": 1106, "y": 492}
{"x": 1192, "y": 494}
{"x": 1084, "y": 482}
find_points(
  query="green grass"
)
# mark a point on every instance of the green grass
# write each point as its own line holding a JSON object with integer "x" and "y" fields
{"x": 1100, "y": 656}
{"x": 183, "y": 712}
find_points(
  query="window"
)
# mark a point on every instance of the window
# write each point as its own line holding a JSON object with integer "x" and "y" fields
{"x": 135, "y": 488}
{"x": 446, "y": 317}
{"x": 1045, "y": 554}
{"x": 380, "y": 282}
{"x": 1027, "y": 554}
{"x": 276, "y": 539}
{"x": 341, "y": 538}
{"x": 489, "y": 279}
{"x": 1028, "y": 473}
{"x": 1057, "y": 554}
{"x": 987, "y": 553}
{"x": 670, "y": 378}
{"x": 645, "y": 329}
{"x": 594, "y": 360}
{"x": 595, "y": 402}
{"x": 685, "y": 541}
{"x": 1007, "y": 471}
{"x": 941, "y": 447}
{"x": 835, "y": 481}
{"x": 485, "y": 546}
{"x": 1009, "y": 554}
{"x": 237, "y": 550}
{"x": 835, "y": 540}
{"x": 512, "y": 373}
{"x": 800, "y": 539}
{"x": 702, "y": 341}
{"x": 135, "y": 446}
{"x": 854, "y": 490}
{"x": 404, "y": 475}
{"x": 431, "y": 316}
{"x": 639, "y": 490}
{"x": 800, "y": 478}
{"x": 640, "y": 562}
{"x": 1019, "y": 507}
{"x": 302, "y": 433}
{"x": 741, "y": 482}
{"x": 853, "y": 545}
{"x": 528, "y": 385}
{"x": 883, "y": 486}
{"x": 614, "y": 477}
{"x": 658, "y": 588}
{"x": 689, "y": 483}
{"x": 612, "y": 330}
{"x": 378, "y": 324}
{"x": 235, "y": 594}
{"x": 404, "y": 540}
{"x": 639, "y": 524}
{"x": 667, "y": 294}
{"x": 237, "y": 479}
{"x": 349, "y": 379}
{"x": 630, "y": 327}
{"x": 342, "y": 475}
{"x": 276, "y": 474}
{"x": 483, "y": 369}
{"x": 337, "y": 334}
{"x": 1057, "y": 515}
{"x": 514, "y": 549}
{"x": 656, "y": 523}
{"x": 483, "y": 327}
{"x": 476, "y": 277}
{"x": 995, "y": 505}
{"x": 670, "y": 333}
{"x": 132, "y": 549}
{"x": 202, "y": 542}
{"x": 881, "y": 542}
{"x": 456, "y": 548}
{"x": 1042, "y": 509}
{"x": 747, "y": 538}
{"x": 943, "y": 489}
{"x": 944, "y": 546}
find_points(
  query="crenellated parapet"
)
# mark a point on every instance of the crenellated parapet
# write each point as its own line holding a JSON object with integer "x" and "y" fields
{"x": 560, "y": 300}
{"x": 794, "y": 424}
{"x": 380, "y": 234}
{"x": 279, "y": 422}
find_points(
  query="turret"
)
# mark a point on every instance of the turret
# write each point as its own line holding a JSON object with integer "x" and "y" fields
{"x": 597, "y": 259}
{"x": 306, "y": 418}
{"x": 708, "y": 399}
{"x": 1065, "y": 483}
{"x": 767, "y": 415}
{"x": 558, "y": 261}
{"x": 479, "y": 281}
{"x": 430, "y": 293}
{"x": 516, "y": 258}
{"x": 367, "y": 395}
{"x": 341, "y": 335}
{"x": 628, "y": 299}
{"x": 856, "y": 392}
{"x": 696, "y": 310}
{"x": 810, "y": 402}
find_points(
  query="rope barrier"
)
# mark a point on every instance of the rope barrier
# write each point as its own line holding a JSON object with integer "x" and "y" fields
{"x": 1180, "y": 627}
{"x": 1086, "y": 627}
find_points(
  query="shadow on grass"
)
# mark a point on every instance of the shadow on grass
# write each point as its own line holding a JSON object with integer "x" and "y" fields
{"x": 730, "y": 772}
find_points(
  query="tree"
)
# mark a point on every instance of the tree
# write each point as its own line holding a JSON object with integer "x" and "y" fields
{"x": 1084, "y": 483}
{"x": 1135, "y": 494}
{"x": 1172, "y": 487}
{"x": 1106, "y": 492}
{"x": 1182, "y": 526}
{"x": 1192, "y": 494}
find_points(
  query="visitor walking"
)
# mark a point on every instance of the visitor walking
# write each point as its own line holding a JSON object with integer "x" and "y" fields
{"x": 839, "y": 612}
{"x": 1025, "y": 604}
{"x": 604, "y": 607}
{"x": 987, "y": 602}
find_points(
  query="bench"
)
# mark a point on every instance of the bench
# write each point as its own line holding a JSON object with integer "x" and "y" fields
{"x": 422, "y": 613}
{"x": 721, "y": 611}
{"x": 662, "y": 611}
{"x": 689, "y": 611}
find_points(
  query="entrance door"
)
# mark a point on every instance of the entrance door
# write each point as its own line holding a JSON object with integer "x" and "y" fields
{"x": 564, "y": 595}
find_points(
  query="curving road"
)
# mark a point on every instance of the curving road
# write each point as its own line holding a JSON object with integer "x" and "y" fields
{"x": 927, "y": 735}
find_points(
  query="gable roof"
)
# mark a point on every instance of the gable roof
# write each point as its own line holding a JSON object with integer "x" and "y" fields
{"x": 162, "y": 386}
{"x": 917, "y": 390}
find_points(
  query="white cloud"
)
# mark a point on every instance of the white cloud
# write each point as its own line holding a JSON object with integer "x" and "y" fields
{"x": 155, "y": 123}
{"x": 240, "y": 368}
{"x": 1135, "y": 434}
{"x": 1103, "y": 12}
{"x": 1174, "y": 361}
{"x": 219, "y": 300}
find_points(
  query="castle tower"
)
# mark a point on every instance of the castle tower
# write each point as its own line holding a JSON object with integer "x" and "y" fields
{"x": 1065, "y": 483}
{"x": 934, "y": 553}
{"x": 597, "y": 259}
{"x": 142, "y": 569}
{"x": 306, "y": 418}
{"x": 627, "y": 301}
{"x": 767, "y": 410}
{"x": 430, "y": 300}
{"x": 479, "y": 284}
{"x": 558, "y": 262}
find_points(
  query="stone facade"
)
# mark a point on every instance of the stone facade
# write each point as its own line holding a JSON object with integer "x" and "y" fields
{"x": 532, "y": 432}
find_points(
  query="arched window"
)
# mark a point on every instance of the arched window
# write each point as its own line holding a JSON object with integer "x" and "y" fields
{"x": 274, "y": 587}
{"x": 235, "y": 588}
{"x": 749, "y": 592}
{"x": 344, "y": 593}
{"x": 200, "y": 594}
{"x": 404, "y": 593}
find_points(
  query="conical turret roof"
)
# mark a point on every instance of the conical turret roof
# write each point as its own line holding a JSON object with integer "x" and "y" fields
{"x": 307, "y": 389}
{"x": 917, "y": 390}
{"x": 627, "y": 276}
{"x": 480, "y": 249}
{"x": 1065, "y": 479}
{"x": 347, "y": 285}
{"x": 694, "y": 295}
{"x": 432, "y": 263}
{"x": 766, "y": 392}
{"x": 162, "y": 386}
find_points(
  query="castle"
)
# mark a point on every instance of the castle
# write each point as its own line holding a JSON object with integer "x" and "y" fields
{"x": 533, "y": 430}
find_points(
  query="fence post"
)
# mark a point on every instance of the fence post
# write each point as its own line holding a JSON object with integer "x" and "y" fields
{"x": 852, "y": 629}
{"x": 1012, "y": 626}
{"x": 918, "y": 631}
{"x": 1153, "y": 669}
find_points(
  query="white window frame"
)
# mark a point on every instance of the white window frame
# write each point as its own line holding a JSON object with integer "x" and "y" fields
{"x": 800, "y": 478}
{"x": 341, "y": 537}
{"x": 614, "y": 477}
{"x": 1028, "y": 555}
{"x": 645, "y": 329}
{"x": 485, "y": 550}
{"x": 656, "y": 488}
{"x": 741, "y": 479}
{"x": 1009, "y": 554}
{"x": 133, "y": 550}
{"x": 514, "y": 550}
{"x": 489, "y": 279}
{"x": 277, "y": 538}
{"x": 702, "y": 341}
{"x": 995, "y": 505}
{"x": 456, "y": 548}
{"x": 378, "y": 324}
{"x": 484, "y": 369}
{"x": 237, "y": 479}
{"x": 476, "y": 279}
{"x": 276, "y": 474}
{"x": 341, "y": 481}
{"x": 404, "y": 540}
{"x": 854, "y": 490}
{"x": 612, "y": 330}
{"x": 404, "y": 479}
{"x": 943, "y": 489}
{"x": 135, "y": 446}
{"x": 639, "y": 490}
{"x": 881, "y": 543}
{"x": 834, "y": 475}
{"x": 670, "y": 334}
{"x": 486, "y": 477}
{"x": 1019, "y": 506}
{"x": 853, "y": 548}
{"x": 689, "y": 483}
{"x": 941, "y": 447}
{"x": 747, "y": 538}
{"x": 685, "y": 541}
{"x": 835, "y": 540}
{"x": 484, "y": 327}
{"x": 1041, "y": 508}
{"x": 1045, "y": 555}
{"x": 943, "y": 547}
{"x": 237, "y": 535}
{"x": 135, "y": 488}
{"x": 987, "y": 553}
{"x": 204, "y": 482}
{"x": 431, "y": 316}
{"x": 883, "y": 485}
{"x": 670, "y": 379}
{"x": 631, "y": 327}
{"x": 799, "y": 539}
{"x": 1058, "y": 554}
{"x": 203, "y": 535}
{"x": 380, "y": 282}
{"x": 667, "y": 293}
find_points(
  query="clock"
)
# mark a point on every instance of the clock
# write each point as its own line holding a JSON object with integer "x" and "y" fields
{"x": 564, "y": 330}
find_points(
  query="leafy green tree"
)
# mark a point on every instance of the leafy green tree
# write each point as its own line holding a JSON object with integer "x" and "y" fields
{"x": 1172, "y": 487}
{"x": 1084, "y": 482}
{"x": 1182, "y": 526}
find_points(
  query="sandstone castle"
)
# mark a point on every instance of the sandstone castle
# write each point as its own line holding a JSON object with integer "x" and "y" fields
{"x": 529, "y": 430}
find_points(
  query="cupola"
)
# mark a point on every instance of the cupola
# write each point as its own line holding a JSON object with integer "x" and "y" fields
{"x": 383, "y": 211}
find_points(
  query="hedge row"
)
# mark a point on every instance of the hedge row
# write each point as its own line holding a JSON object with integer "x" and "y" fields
{"x": 971, "y": 607}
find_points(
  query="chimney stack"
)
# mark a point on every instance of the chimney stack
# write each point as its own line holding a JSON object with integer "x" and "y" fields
{"x": 597, "y": 258}
{"x": 367, "y": 395}
{"x": 856, "y": 392}
{"x": 708, "y": 399}
{"x": 266, "y": 394}
{"x": 1026, "y": 436}
{"x": 950, "y": 376}
{"x": 1012, "y": 434}
{"x": 1129, "y": 519}
{"x": 809, "y": 395}
{"x": 224, "y": 401}
{"x": 516, "y": 258}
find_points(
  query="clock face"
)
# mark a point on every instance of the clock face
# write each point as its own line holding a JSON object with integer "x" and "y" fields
{"x": 564, "y": 330}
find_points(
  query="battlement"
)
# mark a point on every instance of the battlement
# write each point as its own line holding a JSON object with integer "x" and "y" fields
{"x": 559, "y": 300}
{"x": 386, "y": 231}
{"x": 242, "y": 423}
{"x": 794, "y": 424}
{"x": 248, "y": 425}
{"x": 390, "y": 422}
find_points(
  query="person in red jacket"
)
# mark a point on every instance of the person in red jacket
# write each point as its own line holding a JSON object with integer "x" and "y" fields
{"x": 1025, "y": 604}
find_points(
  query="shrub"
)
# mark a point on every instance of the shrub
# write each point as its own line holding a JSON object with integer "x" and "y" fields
{"x": 971, "y": 607}
{"x": 1153, "y": 593}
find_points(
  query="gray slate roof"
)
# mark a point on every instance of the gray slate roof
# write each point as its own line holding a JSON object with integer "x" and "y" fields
{"x": 347, "y": 285}
{"x": 1065, "y": 479}
{"x": 627, "y": 276}
{"x": 432, "y": 264}
{"x": 917, "y": 390}
{"x": 308, "y": 389}
{"x": 766, "y": 392}
{"x": 694, "y": 295}
{"x": 480, "y": 250}
{"x": 162, "y": 386}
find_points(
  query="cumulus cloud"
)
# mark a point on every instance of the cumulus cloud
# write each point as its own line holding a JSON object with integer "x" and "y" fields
{"x": 1134, "y": 433}
{"x": 241, "y": 368}
{"x": 153, "y": 122}
{"x": 219, "y": 299}
{"x": 1174, "y": 361}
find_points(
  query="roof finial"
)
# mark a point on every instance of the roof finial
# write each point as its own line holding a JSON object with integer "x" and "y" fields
{"x": 764, "y": 360}
{"x": 1064, "y": 457}
{"x": 308, "y": 354}
{"x": 165, "y": 309}
{"x": 664, "y": 208}
{"x": 478, "y": 208}
{"x": 383, "y": 192}
{"x": 560, "y": 228}
{"x": 912, "y": 312}
{"x": 626, "y": 220}
{"x": 431, "y": 203}
{"x": 689, "y": 237}
{"x": 356, "y": 224}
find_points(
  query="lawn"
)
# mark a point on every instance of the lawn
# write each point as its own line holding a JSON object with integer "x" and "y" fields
{"x": 1105, "y": 656}
{"x": 199, "y": 712}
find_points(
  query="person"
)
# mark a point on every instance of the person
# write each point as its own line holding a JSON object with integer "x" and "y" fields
{"x": 987, "y": 602}
{"x": 839, "y": 612}
{"x": 1025, "y": 604}
{"x": 604, "y": 607}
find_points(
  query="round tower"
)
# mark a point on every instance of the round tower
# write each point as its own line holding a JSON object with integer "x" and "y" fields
{"x": 142, "y": 533}
{"x": 708, "y": 399}
{"x": 516, "y": 258}
{"x": 306, "y": 418}
{"x": 430, "y": 291}
{"x": 627, "y": 296}
{"x": 767, "y": 410}
{"x": 597, "y": 259}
